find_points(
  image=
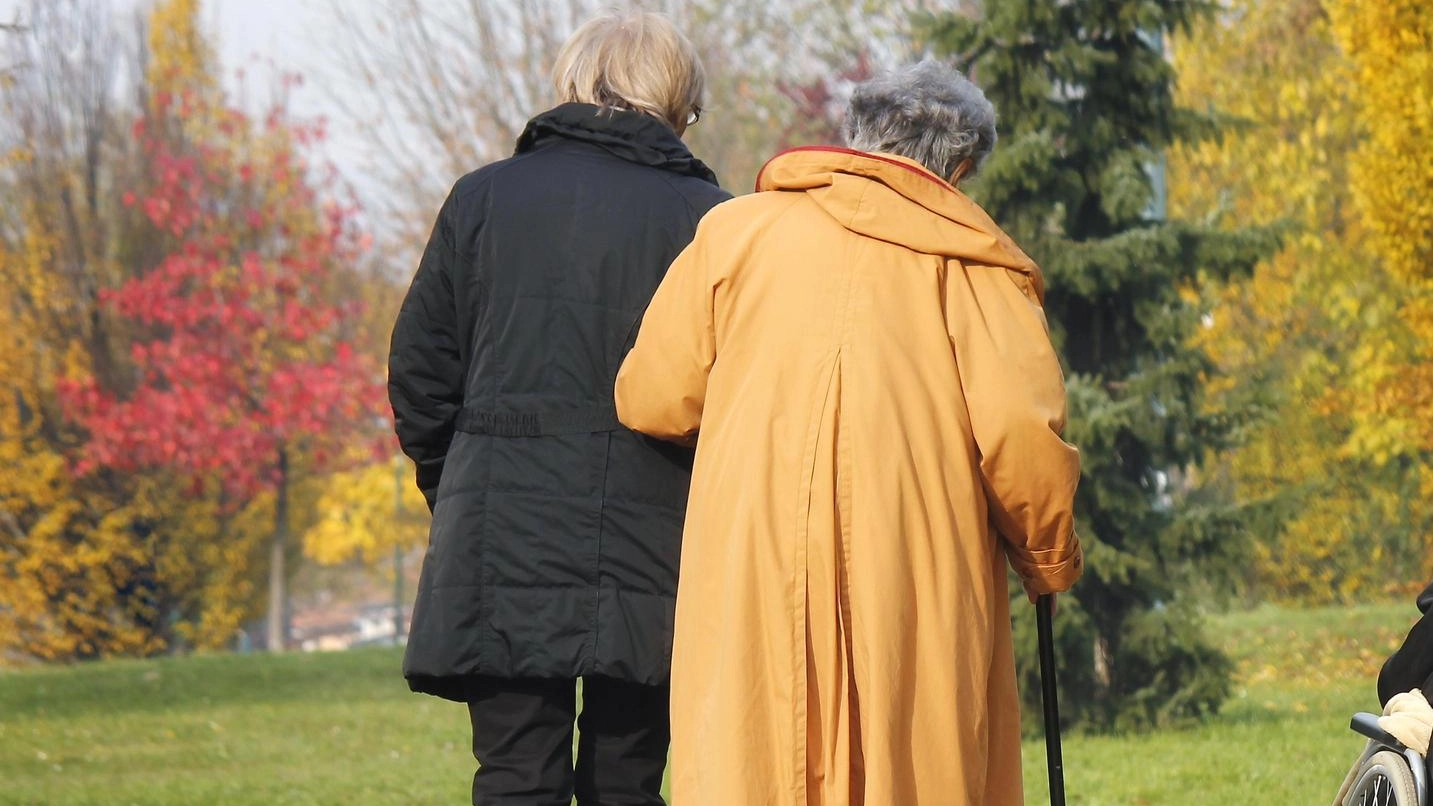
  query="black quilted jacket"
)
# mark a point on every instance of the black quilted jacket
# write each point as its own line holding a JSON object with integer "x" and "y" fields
{"x": 556, "y": 532}
{"x": 1412, "y": 665}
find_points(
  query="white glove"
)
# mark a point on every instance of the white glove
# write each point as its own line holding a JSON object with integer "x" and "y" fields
{"x": 1409, "y": 718}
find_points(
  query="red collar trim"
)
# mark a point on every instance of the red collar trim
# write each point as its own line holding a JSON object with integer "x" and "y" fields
{"x": 921, "y": 172}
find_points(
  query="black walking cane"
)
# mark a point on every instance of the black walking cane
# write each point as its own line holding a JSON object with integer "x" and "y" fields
{"x": 1044, "y": 612}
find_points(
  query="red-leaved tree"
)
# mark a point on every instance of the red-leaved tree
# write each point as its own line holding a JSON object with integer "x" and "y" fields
{"x": 245, "y": 375}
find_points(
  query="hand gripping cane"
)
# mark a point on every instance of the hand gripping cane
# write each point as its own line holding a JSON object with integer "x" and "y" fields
{"x": 1044, "y": 612}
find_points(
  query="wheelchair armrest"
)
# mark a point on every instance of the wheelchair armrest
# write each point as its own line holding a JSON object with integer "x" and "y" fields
{"x": 1367, "y": 725}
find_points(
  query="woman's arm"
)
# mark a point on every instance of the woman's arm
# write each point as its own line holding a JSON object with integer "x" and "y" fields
{"x": 1015, "y": 393}
{"x": 425, "y": 366}
{"x": 662, "y": 386}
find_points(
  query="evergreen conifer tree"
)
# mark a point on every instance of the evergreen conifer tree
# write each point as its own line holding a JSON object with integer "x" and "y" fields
{"x": 1084, "y": 97}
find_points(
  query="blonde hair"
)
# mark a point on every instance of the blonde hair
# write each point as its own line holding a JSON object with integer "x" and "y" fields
{"x": 637, "y": 61}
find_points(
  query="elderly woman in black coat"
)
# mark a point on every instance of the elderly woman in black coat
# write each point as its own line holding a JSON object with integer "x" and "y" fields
{"x": 1412, "y": 665}
{"x": 556, "y": 532}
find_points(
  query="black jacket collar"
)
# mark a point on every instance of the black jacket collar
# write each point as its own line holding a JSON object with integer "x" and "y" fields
{"x": 632, "y": 136}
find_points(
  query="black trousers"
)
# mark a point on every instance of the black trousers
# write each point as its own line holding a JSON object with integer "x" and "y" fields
{"x": 522, "y": 739}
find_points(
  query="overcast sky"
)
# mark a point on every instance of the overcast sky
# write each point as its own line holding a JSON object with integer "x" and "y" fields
{"x": 267, "y": 36}
{"x": 291, "y": 32}
{"x": 264, "y": 37}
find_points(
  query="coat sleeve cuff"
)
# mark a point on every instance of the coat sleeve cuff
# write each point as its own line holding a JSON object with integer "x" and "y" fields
{"x": 1051, "y": 570}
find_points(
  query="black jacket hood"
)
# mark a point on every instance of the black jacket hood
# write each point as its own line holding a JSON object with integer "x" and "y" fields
{"x": 632, "y": 136}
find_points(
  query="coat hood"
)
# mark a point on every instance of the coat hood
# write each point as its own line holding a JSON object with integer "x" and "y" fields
{"x": 632, "y": 136}
{"x": 897, "y": 200}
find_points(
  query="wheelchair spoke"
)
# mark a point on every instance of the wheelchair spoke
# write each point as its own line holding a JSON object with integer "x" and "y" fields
{"x": 1383, "y": 778}
{"x": 1380, "y": 793}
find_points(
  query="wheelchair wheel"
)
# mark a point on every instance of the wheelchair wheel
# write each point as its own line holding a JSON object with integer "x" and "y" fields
{"x": 1383, "y": 780}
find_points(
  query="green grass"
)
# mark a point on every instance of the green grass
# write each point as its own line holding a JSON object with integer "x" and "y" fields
{"x": 297, "y": 729}
{"x": 342, "y": 728}
{"x": 1283, "y": 737}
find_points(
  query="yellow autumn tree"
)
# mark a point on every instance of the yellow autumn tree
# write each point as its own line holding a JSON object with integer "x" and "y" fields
{"x": 75, "y": 569}
{"x": 1290, "y": 337}
{"x": 180, "y": 58}
{"x": 363, "y": 515}
{"x": 60, "y": 567}
{"x": 1389, "y": 53}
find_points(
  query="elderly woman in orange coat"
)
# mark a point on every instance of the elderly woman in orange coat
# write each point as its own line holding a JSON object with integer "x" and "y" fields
{"x": 866, "y": 359}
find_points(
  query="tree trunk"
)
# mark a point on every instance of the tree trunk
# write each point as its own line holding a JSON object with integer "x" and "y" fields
{"x": 278, "y": 573}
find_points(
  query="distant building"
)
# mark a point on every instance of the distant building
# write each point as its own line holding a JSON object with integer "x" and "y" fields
{"x": 346, "y": 627}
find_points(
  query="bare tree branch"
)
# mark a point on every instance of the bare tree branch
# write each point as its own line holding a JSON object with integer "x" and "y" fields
{"x": 62, "y": 115}
{"x": 447, "y": 85}
{"x": 12, "y": 525}
{"x": 14, "y": 28}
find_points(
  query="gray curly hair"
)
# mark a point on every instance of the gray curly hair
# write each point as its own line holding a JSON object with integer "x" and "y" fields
{"x": 928, "y": 112}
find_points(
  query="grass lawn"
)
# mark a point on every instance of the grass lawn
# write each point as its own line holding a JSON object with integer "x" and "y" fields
{"x": 342, "y": 729}
{"x": 1283, "y": 737}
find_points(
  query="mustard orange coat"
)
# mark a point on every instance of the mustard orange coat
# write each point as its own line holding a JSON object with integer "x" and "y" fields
{"x": 866, "y": 359}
